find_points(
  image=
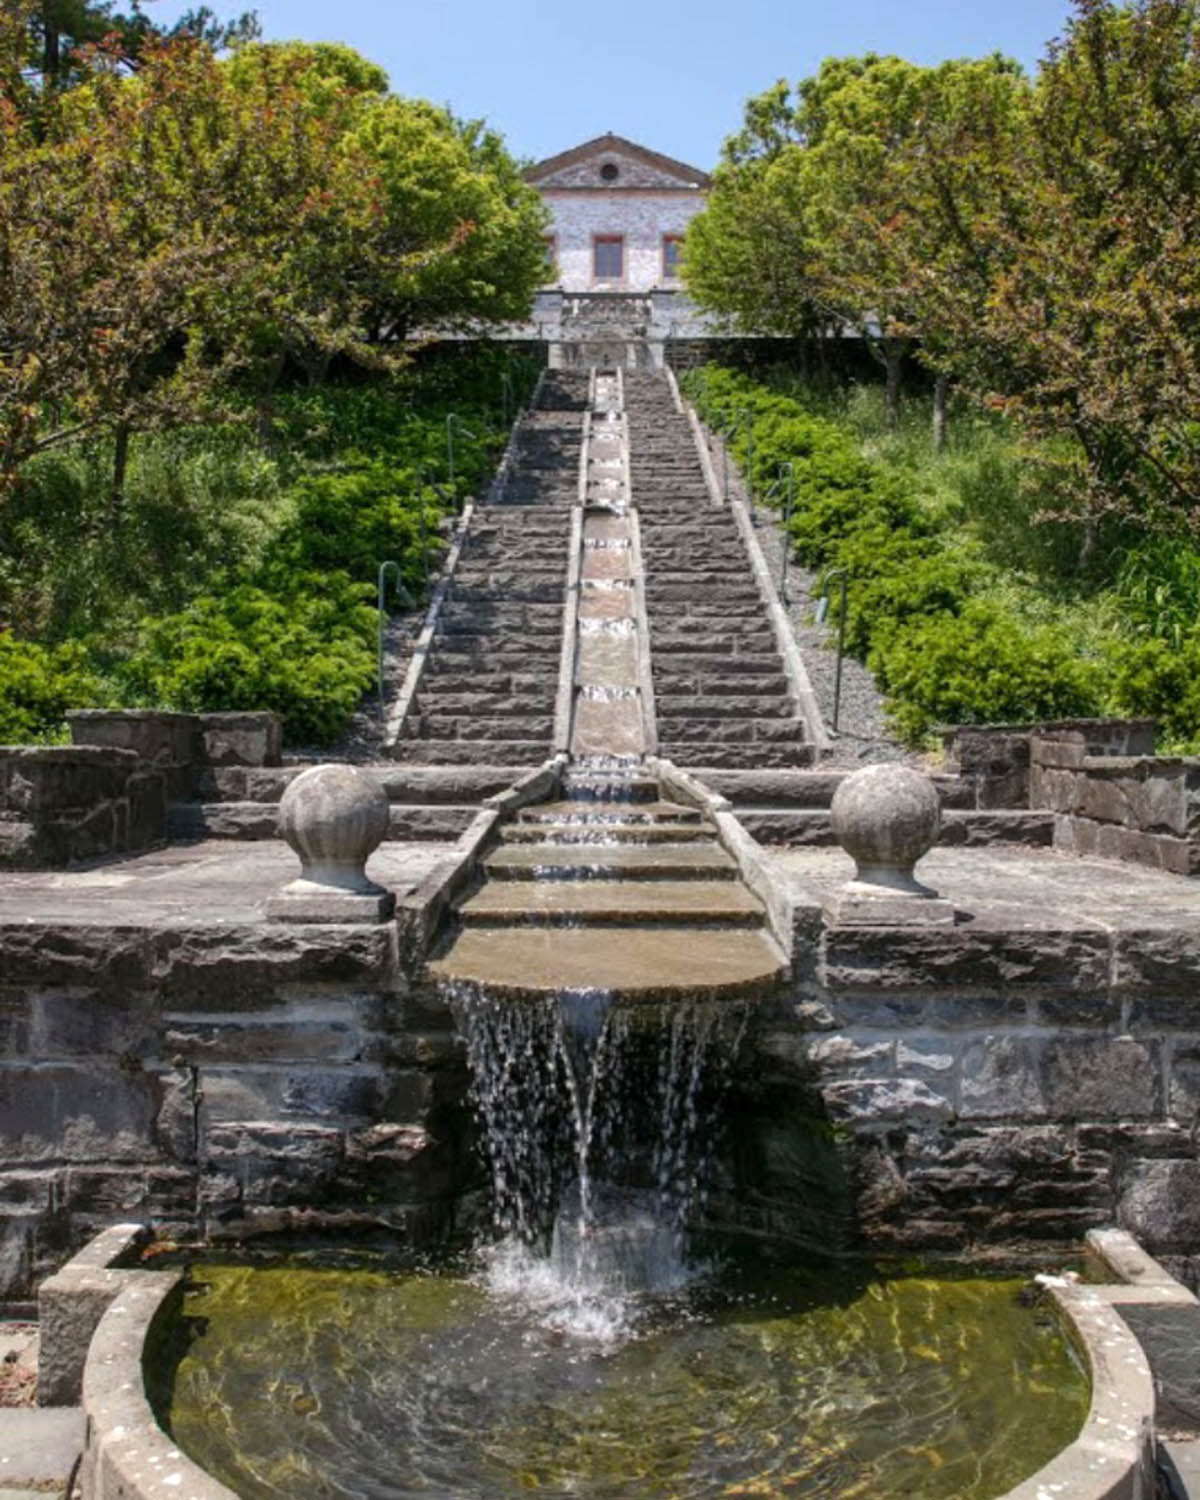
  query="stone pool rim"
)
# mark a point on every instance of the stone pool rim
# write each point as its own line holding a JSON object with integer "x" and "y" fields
{"x": 128, "y": 1456}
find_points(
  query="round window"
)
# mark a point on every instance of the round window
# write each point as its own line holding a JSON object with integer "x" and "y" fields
{"x": 610, "y": 171}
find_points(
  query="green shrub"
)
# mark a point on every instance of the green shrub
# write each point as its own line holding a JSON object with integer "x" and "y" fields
{"x": 1160, "y": 678}
{"x": 309, "y": 658}
{"x": 981, "y": 666}
{"x": 37, "y": 686}
{"x": 894, "y": 576}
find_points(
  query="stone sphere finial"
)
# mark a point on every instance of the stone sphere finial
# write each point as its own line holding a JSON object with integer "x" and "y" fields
{"x": 334, "y": 817}
{"x": 886, "y": 817}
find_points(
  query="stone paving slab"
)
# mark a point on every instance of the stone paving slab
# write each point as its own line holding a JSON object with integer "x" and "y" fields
{"x": 39, "y": 1445}
{"x": 220, "y": 880}
{"x": 1006, "y": 887}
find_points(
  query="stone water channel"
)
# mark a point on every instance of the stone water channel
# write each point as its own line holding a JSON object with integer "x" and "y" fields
{"x": 995, "y": 1078}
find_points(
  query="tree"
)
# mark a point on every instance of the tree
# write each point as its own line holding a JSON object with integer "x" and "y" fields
{"x": 62, "y": 34}
{"x": 1092, "y": 320}
{"x": 458, "y": 239}
{"x": 821, "y": 210}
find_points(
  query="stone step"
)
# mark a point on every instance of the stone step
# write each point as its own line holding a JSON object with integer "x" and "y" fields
{"x": 736, "y": 640}
{"x": 505, "y": 653}
{"x": 648, "y": 963}
{"x": 597, "y": 814}
{"x": 717, "y": 664}
{"x": 473, "y": 727}
{"x": 497, "y": 684}
{"x": 969, "y": 827}
{"x": 260, "y": 820}
{"x": 735, "y": 756}
{"x": 601, "y": 787}
{"x": 648, "y": 831}
{"x": 430, "y": 701}
{"x": 782, "y": 789}
{"x": 517, "y": 753}
{"x": 673, "y": 706}
{"x": 588, "y": 862}
{"x": 612, "y": 903}
{"x": 686, "y": 728}
{"x": 474, "y": 666}
{"x": 668, "y": 684}
{"x": 402, "y": 784}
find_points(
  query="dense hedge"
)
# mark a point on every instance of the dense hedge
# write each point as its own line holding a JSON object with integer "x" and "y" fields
{"x": 928, "y": 608}
{"x": 268, "y": 554}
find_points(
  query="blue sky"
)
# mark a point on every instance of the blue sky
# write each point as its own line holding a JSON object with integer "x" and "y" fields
{"x": 671, "y": 75}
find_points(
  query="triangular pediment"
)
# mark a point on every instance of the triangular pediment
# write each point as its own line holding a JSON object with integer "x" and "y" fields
{"x": 611, "y": 161}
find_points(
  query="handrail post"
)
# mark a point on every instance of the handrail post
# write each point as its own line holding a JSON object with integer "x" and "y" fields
{"x": 453, "y": 418}
{"x": 788, "y": 471}
{"x": 401, "y": 592}
{"x": 843, "y": 574}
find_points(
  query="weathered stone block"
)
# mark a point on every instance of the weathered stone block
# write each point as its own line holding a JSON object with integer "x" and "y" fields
{"x": 200, "y": 1043}
{"x": 1150, "y": 960}
{"x": 331, "y": 1092}
{"x": 1067, "y": 1077}
{"x": 1102, "y": 797}
{"x": 1102, "y": 1077}
{"x": 847, "y": 1057}
{"x": 876, "y": 1101}
{"x": 1160, "y": 1203}
{"x": 219, "y": 968}
{"x": 1183, "y": 1089}
{"x": 1158, "y": 800}
{"x": 164, "y": 740}
{"x": 146, "y": 825}
{"x": 80, "y": 1112}
{"x": 240, "y": 739}
{"x": 968, "y": 955}
{"x": 1002, "y": 1078}
{"x": 43, "y": 782}
{"x": 82, "y": 1022}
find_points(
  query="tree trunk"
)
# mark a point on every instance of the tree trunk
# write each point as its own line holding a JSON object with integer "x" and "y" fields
{"x": 940, "y": 389}
{"x": 116, "y": 497}
{"x": 893, "y": 358}
{"x": 266, "y": 401}
{"x": 51, "y": 47}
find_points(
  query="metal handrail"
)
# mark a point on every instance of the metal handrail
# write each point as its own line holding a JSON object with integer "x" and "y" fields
{"x": 823, "y": 609}
{"x": 453, "y": 418}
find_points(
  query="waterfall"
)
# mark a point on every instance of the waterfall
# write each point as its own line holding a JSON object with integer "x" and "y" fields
{"x": 597, "y": 1126}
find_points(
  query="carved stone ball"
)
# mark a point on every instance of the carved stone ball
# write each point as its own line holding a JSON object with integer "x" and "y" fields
{"x": 886, "y": 817}
{"x": 334, "y": 817}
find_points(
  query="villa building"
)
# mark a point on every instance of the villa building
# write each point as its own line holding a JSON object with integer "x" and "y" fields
{"x": 619, "y": 215}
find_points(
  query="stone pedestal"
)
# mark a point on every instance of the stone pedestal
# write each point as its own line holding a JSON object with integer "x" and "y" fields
{"x": 886, "y": 818}
{"x": 334, "y": 817}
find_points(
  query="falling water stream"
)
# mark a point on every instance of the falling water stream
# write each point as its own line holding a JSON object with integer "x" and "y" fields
{"x": 591, "y": 1124}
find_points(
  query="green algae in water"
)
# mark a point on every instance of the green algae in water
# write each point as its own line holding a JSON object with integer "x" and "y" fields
{"x": 323, "y": 1383}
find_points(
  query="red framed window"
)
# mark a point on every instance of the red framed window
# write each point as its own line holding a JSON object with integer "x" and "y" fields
{"x": 608, "y": 257}
{"x": 672, "y": 254}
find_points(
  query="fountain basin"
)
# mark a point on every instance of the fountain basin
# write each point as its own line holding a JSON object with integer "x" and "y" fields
{"x": 491, "y": 1387}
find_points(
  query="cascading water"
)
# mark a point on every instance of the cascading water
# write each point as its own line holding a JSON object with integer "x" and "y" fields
{"x": 591, "y": 1125}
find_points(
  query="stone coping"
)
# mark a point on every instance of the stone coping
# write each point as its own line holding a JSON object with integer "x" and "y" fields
{"x": 130, "y": 1457}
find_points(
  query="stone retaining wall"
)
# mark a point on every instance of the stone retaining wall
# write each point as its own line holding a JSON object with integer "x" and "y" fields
{"x": 266, "y": 1077}
{"x": 108, "y": 792}
{"x": 1141, "y": 808}
{"x": 973, "y": 1089}
{"x": 63, "y": 804}
{"x": 939, "y": 1090}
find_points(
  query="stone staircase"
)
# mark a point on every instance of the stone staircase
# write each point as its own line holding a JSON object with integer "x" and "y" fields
{"x": 487, "y": 692}
{"x": 614, "y": 891}
{"x": 721, "y": 694}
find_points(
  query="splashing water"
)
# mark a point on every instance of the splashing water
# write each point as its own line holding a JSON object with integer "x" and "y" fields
{"x": 591, "y": 1124}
